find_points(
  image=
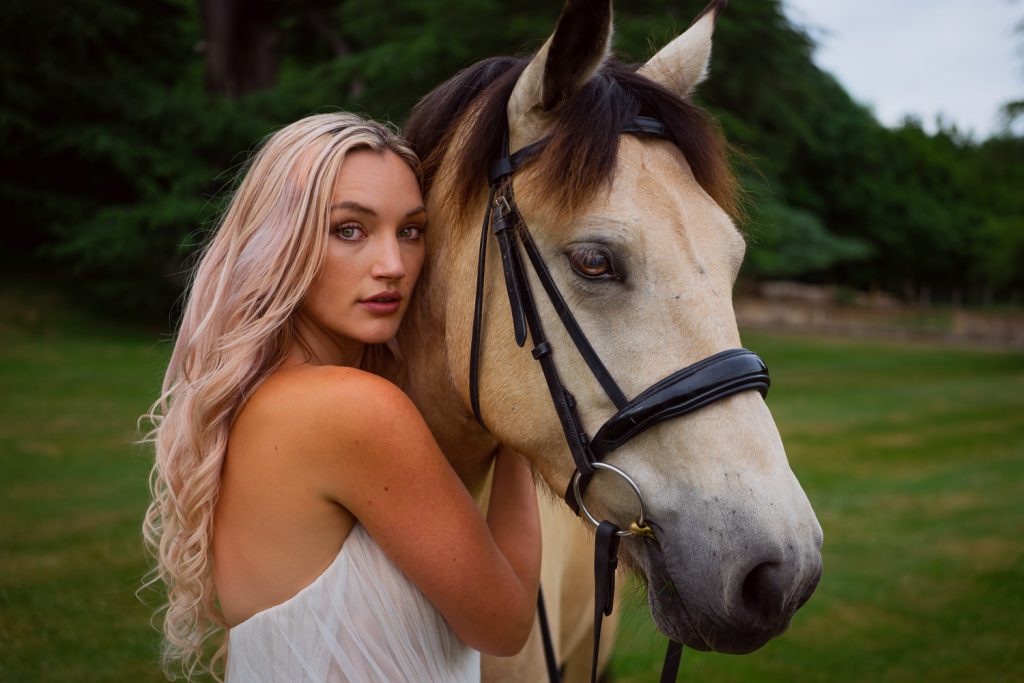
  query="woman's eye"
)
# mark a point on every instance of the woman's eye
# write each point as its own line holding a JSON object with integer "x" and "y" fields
{"x": 349, "y": 232}
{"x": 411, "y": 232}
{"x": 593, "y": 263}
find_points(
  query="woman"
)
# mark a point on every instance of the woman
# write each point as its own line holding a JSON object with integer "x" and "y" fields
{"x": 299, "y": 501}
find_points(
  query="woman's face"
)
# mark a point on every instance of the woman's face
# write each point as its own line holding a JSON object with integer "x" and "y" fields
{"x": 374, "y": 255}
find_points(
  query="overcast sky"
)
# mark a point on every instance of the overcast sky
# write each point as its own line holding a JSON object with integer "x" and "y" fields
{"x": 959, "y": 58}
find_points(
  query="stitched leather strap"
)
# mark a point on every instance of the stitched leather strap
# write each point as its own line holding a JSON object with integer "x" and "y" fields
{"x": 569, "y": 321}
{"x": 673, "y": 655}
{"x": 478, "y": 316}
{"x": 509, "y": 164}
{"x": 712, "y": 379}
{"x": 563, "y": 401}
{"x": 504, "y": 229}
{"x": 554, "y": 673}
{"x": 645, "y": 125}
{"x": 606, "y": 559}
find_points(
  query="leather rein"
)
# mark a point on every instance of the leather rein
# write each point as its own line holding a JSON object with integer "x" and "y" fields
{"x": 691, "y": 388}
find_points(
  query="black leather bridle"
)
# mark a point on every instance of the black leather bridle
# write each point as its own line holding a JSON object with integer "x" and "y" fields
{"x": 695, "y": 386}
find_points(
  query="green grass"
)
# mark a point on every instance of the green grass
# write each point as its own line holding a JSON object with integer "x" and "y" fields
{"x": 912, "y": 456}
{"x": 73, "y": 487}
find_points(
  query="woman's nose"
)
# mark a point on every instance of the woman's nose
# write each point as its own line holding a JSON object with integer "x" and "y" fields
{"x": 388, "y": 263}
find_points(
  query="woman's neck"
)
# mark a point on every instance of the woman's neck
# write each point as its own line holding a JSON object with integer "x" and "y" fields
{"x": 314, "y": 345}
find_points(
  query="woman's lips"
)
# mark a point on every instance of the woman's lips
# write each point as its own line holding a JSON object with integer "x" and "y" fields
{"x": 384, "y": 303}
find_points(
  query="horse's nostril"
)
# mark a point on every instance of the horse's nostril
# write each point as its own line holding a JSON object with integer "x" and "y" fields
{"x": 764, "y": 592}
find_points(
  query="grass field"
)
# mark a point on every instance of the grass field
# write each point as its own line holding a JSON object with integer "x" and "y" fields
{"x": 912, "y": 456}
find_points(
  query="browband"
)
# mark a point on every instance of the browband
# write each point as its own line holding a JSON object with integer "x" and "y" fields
{"x": 510, "y": 163}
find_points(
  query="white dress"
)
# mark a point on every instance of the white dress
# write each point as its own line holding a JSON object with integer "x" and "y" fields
{"x": 361, "y": 621}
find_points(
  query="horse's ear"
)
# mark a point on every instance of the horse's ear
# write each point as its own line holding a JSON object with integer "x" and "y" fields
{"x": 569, "y": 58}
{"x": 682, "y": 65}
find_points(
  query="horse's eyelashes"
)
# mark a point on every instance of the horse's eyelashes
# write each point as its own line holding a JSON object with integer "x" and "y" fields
{"x": 593, "y": 263}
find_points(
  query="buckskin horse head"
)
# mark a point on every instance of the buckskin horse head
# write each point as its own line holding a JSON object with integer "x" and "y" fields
{"x": 626, "y": 195}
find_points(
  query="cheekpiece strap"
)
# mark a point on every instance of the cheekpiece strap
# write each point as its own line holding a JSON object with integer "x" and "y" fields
{"x": 503, "y": 225}
{"x": 597, "y": 367}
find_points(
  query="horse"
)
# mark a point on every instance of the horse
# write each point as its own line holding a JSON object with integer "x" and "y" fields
{"x": 638, "y": 234}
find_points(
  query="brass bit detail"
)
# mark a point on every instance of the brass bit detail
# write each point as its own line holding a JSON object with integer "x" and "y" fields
{"x": 638, "y": 530}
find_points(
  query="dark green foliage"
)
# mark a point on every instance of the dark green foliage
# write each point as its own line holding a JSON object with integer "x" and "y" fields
{"x": 789, "y": 242}
{"x": 997, "y": 250}
{"x": 117, "y": 158}
{"x": 848, "y": 200}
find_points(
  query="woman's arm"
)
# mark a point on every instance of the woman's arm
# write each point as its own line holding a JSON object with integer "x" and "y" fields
{"x": 374, "y": 455}
{"x": 514, "y": 520}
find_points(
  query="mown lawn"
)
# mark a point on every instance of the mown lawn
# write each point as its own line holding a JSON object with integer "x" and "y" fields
{"x": 73, "y": 487}
{"x": 912, "y": 456}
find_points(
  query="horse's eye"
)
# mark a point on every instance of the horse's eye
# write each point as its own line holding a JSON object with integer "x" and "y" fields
{"x": 593, "y": 263}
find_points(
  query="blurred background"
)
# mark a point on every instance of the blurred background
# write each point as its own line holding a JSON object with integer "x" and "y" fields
{"x": 882, "y": 150}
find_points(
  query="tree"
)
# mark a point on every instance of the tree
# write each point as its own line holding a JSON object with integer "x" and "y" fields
{"x": 121, "y": 118}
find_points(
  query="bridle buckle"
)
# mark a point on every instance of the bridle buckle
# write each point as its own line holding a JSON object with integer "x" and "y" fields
{"x": 502, "y": 207}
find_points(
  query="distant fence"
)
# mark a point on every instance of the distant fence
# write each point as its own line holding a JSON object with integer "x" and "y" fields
{"x": 996, "y": 328}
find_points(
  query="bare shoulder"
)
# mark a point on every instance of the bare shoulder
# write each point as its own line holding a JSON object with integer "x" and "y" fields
{"x": 327, "y": 408}
{"x": 309, "y": 387}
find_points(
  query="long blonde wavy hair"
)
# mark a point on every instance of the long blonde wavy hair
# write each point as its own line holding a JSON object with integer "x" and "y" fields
{"x": 237, "y": 326}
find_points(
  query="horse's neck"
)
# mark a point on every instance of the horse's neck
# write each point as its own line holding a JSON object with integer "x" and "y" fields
{"x": 467, "y": 446}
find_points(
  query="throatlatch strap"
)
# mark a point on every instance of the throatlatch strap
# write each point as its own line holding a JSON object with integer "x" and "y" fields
{"x": 606, "y": 559}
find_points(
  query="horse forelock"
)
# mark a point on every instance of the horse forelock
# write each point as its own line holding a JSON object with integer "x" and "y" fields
{"x": 458, "y": 129}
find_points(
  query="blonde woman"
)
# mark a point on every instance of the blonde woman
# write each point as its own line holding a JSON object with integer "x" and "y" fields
{"x": 304, "y": 522}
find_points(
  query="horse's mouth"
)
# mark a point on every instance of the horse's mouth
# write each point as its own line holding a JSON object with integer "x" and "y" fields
{"x": 681, "y": 614}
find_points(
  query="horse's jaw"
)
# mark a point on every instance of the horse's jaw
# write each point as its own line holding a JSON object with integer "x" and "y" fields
{"x": 738, "y": 547}
{"x": 684, "y": 616}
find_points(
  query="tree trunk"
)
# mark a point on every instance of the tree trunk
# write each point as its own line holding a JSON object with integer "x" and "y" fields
{"x": 241, "y": 45}
{"x": 317, "y": 15}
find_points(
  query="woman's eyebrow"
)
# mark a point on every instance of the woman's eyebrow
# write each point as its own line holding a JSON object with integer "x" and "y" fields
{"x": 360, "y": 208}
{"x": 353, "y": 206}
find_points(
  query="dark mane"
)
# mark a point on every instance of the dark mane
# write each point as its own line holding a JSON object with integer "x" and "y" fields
{"x": 581, "y": 154}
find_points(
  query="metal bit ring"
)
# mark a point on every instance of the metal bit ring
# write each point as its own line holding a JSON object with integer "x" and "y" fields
{"x": 640, "y": 523}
